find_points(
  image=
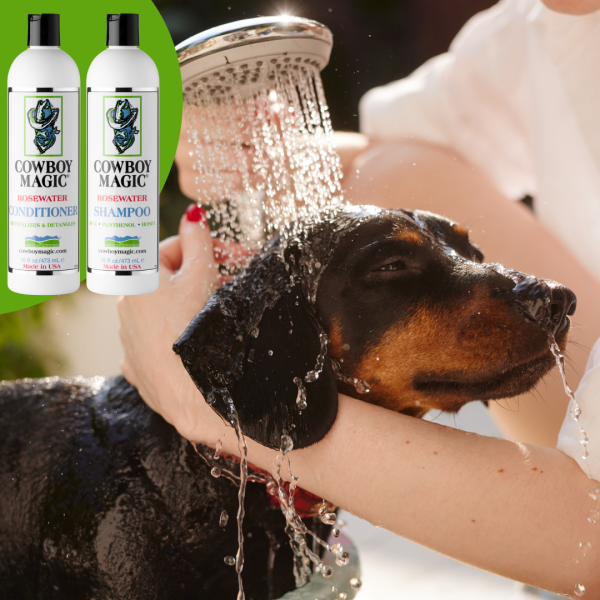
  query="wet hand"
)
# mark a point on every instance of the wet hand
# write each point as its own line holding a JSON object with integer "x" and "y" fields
{"x": 151, "y": 323}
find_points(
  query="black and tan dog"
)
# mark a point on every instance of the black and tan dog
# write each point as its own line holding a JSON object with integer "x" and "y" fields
{"x": 101, "y": 498}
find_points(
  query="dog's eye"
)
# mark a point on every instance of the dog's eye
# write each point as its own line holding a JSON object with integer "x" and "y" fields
{"x": 397, "y": 265}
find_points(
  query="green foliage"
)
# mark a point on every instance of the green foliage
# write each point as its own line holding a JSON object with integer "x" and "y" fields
{"x": 18, "y": 356}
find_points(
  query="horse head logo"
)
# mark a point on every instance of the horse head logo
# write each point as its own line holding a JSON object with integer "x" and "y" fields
{"x": 122, "y": 119}
{"x": 43, "y": 119}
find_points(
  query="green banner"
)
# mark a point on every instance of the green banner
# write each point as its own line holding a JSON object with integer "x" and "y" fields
{"x": 83, "y": 37}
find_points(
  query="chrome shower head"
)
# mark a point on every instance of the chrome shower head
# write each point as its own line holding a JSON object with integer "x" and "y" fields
{"x": 258, "y": 124}
{"x": 237, "y": 55}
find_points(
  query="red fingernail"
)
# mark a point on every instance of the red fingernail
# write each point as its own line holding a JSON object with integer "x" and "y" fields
{"x": 195, "y": 213}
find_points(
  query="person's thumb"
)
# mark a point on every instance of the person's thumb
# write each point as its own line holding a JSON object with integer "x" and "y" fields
{"x": 196, "y": 241}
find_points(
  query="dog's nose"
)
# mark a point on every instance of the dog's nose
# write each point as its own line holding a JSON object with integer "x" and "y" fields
{"x": 547, "y": 302}
{"x": 562, "y": 305}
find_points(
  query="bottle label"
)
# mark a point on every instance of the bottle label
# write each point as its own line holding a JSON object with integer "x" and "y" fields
{"x": 43, "y": 181}
{"x": 122, "y": 180}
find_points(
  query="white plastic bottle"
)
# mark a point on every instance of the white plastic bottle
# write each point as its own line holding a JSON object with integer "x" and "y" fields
{"x": 122, "y": 165}
{"x": 43, "y": 164}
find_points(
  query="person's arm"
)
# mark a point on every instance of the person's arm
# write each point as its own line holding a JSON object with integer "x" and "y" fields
{"x": 515, "y": 510}
{"x": 520, "y": 511}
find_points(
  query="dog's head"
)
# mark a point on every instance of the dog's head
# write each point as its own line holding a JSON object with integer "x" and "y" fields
{"x": 390, "y": 306}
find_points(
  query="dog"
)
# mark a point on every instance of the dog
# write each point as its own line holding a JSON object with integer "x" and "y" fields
{"x": 101, "y": 498}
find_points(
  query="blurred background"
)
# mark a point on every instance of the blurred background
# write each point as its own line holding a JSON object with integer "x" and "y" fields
{"x": 375, "y": 42}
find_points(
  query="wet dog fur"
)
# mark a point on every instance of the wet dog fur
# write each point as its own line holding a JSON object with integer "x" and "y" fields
{"x": 101, "y": 498}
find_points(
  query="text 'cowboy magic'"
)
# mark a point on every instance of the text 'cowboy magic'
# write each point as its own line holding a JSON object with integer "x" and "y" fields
{"x": 43, "y": 173}
{"x": 122, "y": 173}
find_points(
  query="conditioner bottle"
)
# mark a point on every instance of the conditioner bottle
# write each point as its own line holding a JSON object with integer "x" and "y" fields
{"x": 122, "y": 164}
{"x": 43, "y": 164}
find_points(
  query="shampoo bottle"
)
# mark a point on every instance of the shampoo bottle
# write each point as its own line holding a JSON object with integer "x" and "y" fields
{"x": 43, "y": 164}
{"x": 122, "y": 165}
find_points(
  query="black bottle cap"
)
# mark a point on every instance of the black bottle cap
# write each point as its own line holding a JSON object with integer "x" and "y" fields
{"x": 123, "y": 30}
{"x": 43, "y": 30}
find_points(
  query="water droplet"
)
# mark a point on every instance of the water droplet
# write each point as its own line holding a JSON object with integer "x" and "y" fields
{"x": 346, "y": 347}
{"x": 254, "y": 332}
{"x": 329, "y": 518}
{"x": 593, "y": 495}
{"x": 583, "y": 438}
{"x": 342, "y": 560}
{"x": 575, "y": 411}
{"x": 287, "y": 444}
{"x": 301, "y": 397}
{"x": 229, "y": 560}
{"x": 579, "y": 590}
{"x": 335, "y": 533}
{"x": 584, "y": 547}
{"x": 270, "y": 352}
{"x": 223, "y": 518}
{"x": 361, "y": 387}
{"x": 218, "y": 450}
{"x": 326, "y": 571}
{"x": 317, "y": 265}
{"x": 594, "y": 515}
{"x": 215, "y": 472}
{"x": 337, "y": 549}
{"x": 355, "y": 583}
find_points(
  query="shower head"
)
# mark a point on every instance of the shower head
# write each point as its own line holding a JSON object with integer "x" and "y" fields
{"x": 243, "y": 53}
{"x": 259, "y": 125}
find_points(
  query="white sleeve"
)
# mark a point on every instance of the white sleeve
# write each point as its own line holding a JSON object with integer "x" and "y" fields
{"x": 588, "y": 399}
{"x": 474, "y": 98}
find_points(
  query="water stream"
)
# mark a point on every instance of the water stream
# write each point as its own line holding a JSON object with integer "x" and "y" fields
{"x": 575, "y": 414}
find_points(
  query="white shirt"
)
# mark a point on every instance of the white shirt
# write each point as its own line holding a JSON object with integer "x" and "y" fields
{"x": 518, "y": 95}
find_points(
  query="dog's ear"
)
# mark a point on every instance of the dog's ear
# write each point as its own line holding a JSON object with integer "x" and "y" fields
{"x": 258, "y": 343}
{"x": 274, "y": 394}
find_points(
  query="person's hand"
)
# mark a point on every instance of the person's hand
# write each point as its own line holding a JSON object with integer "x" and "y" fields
{"x": 151, "y": 323}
